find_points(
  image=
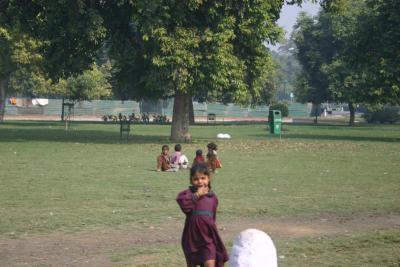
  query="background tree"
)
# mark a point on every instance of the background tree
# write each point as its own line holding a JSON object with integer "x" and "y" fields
{"x": 361, "y": 66}
{"x": 89, "y": 85}
{"x": 375, "y": 51}
{"x": 64, "y": 35}
{"x": 71, "y": 31}
{"x": 343, "y": 79}
{"x": 315, "y": 49}
{"x": 287, "y": 69}
{"x": 20, "y": 60}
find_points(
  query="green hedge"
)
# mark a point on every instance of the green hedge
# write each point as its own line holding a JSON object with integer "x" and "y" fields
{"x": 282, "y": 106}
{"x": 385, "y": 114}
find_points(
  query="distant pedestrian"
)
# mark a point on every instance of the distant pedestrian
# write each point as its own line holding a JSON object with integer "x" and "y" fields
{"x": 201, "y": 242}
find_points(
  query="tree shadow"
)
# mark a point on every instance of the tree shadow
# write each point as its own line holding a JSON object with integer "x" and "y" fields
{"x": 77, "y": 136}
{"x": 231, "y": 123}
{"x": 51, "y": 131}
{"x": 346, "y": 138}
{"x": 331, "y": 137}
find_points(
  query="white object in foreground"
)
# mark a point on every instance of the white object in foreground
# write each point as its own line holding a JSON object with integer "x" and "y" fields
{"x": 253, "y": 248}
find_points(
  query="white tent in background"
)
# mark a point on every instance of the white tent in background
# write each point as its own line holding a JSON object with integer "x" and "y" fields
{"x": 40, "y": 101}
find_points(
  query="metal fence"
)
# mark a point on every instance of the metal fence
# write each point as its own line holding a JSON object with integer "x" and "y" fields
{"x": 98, "y": 108}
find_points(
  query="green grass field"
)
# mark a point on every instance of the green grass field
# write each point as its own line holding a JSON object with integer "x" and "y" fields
{"x": 87, "y": 180}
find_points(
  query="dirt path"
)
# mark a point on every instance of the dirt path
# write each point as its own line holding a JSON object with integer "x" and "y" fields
{"x": 92, "y": 247}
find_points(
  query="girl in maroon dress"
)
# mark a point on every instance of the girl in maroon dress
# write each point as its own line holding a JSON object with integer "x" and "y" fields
{"x": 201, "y": 242}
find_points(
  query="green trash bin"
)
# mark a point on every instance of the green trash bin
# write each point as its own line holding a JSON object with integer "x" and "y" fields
{"x": 275, "y": 121}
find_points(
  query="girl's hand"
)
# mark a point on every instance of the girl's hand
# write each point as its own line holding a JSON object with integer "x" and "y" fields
{"x": 201, "y": 191}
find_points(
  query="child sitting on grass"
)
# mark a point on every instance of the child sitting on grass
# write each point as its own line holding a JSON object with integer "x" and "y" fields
{"x": 179, "y": 161}
{"x": 164, "y": 160}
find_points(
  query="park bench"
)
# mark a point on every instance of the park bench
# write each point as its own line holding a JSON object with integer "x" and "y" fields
{"x": 211, "y": 117}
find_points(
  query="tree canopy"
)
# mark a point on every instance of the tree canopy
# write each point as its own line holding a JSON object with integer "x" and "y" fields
{"x": 351, "y": 55}
{"x": 213, "y": 50}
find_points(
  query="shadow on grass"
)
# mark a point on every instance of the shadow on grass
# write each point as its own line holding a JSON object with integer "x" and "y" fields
{"x": 286, "y": 135}
{"x": 54, "y": 132}
{"x": 106, "y": 133}
{"x": 231, "y": 123}
{"x": 77, "y": 136}
{"x": 358, "y": 126}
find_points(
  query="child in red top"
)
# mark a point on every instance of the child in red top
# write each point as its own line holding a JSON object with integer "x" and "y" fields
{"x": 201, "y": 242}
{"x": 199, "y": 157}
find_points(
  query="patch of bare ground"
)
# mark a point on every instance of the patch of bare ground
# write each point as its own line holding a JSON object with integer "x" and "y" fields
{"x": 93, "y": 248}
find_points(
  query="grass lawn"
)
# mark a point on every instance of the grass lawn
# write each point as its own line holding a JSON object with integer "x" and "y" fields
{"x": 86, "y": 179}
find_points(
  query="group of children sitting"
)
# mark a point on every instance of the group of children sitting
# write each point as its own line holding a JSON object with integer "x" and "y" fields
{"x": 178, "y": 160}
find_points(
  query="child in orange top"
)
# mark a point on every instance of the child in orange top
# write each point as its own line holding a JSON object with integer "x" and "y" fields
{"x": 201, "y": 242}
{"x": 164, "y": 160}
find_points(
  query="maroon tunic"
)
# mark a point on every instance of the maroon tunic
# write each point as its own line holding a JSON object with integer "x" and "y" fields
{"x": 200, "y": 238}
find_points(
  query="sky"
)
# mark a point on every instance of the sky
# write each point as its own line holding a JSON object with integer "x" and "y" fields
{"x": 289, "y": 15}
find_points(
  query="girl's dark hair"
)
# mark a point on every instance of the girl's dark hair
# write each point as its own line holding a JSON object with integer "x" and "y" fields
{"x": 164, "y": 147}
{"x": 178, "y": 147}
{"x": 201, "y": 168}
{"x": 199, "y": 152}
{"x": 212, "y": 146}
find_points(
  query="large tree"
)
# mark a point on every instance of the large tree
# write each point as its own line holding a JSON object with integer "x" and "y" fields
{"x": 212, "y": 50}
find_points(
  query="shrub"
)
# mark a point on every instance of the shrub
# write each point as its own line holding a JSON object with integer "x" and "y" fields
{"x": 158, "y": 118}
{"x": 110, "y": 118}
{"x": 140, "y": 118}
{"x": 382, "y": 114}
{"x": 282, "y": 106}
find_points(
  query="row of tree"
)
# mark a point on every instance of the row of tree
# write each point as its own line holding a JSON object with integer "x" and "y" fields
{"x": 350, "y": 53}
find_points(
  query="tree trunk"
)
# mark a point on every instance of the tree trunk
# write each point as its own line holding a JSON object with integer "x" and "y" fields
{"x": 180, "y": 118}
{"x": 352, "y": 113}
{"x": 62, "y": 110}
{"x": 191, "y": 111}
{"x": 3, "y": 83}
{"x": 316, "y": 113}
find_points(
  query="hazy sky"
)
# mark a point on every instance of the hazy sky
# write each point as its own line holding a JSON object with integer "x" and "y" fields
{"x": 290, "y": 13}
